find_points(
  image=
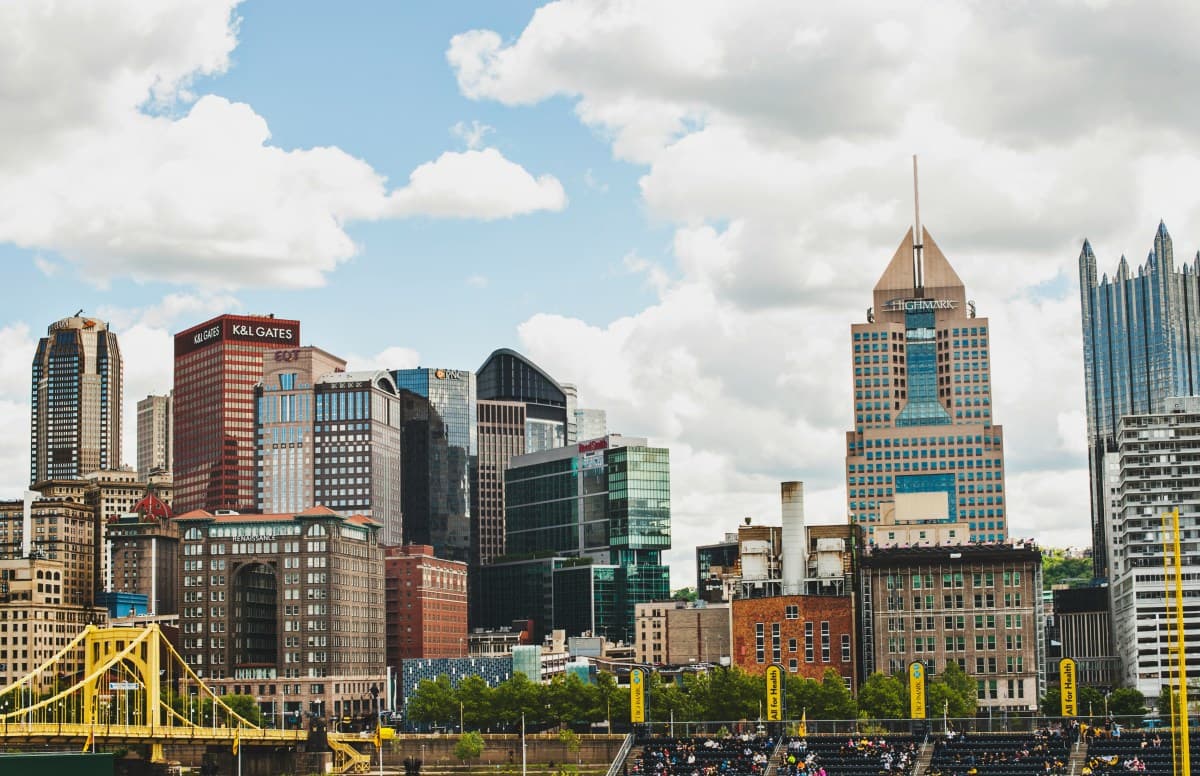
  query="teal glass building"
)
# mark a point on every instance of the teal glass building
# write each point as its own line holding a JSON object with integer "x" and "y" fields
{"x": 586, "y": 526}
{"x": 1141, "y": 345}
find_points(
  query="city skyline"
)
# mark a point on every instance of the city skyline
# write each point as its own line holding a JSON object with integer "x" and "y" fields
{"x": 619, "y": 193}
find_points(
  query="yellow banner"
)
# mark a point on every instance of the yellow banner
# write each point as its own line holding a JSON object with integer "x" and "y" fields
{"x": 1070, "y": 691}
{"x": 916, "y": 690}
{"x": 774, "y": 693}
{"x": 637, "y": 695}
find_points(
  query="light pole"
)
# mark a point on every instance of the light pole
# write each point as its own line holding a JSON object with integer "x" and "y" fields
{"x": 523, "y": 744}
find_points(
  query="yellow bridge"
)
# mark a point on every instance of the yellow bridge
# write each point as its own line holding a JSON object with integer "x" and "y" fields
{"x": 135, "y": 689}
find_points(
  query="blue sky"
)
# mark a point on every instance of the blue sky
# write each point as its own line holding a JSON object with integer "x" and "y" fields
{"x": 679, "y": 205}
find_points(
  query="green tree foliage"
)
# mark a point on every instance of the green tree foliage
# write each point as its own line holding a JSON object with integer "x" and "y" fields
{"x": 1091, "y": 702}
{"x": 684, "y": 594}
{"x": 1051, "y": 704}
{"x": 1058, "y": 569}
{"x": 244, "y": 706}
{"x": 469, "y": 746}
{"x": 882, "y": 697}
{"x": 570, "y": 742}
{"x": 477, "y": 701}
{"x": 1126, "y": 702}
{"x": 960, "y": 691}
{"x": 518, "y": 696}
{"x": 434, "y": 702}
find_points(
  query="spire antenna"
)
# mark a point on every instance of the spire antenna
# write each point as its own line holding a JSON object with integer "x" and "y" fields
{"x": 918, "y": 268}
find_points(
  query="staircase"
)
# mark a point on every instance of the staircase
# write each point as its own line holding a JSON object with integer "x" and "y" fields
{"x": 347, "y": 759}
{"x": 923, "y": 757}
{"x": 1079, "y": 755}
{"x": 776, "y": 758}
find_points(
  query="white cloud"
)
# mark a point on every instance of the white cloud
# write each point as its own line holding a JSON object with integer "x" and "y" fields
{"x": 477, "y": 281}
{"x": 776, "y": 138}
{"x": 472, "y": 134}
{"x": 476, "y": 184}
{"x": 393, "y": 357}
{"x": 107, "y": 159}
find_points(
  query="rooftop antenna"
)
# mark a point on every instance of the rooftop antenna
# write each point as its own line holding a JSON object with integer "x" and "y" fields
{"x": 918, "y": 269}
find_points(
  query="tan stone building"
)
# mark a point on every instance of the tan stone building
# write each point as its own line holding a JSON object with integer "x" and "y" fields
{"x": 977, "y": 605}
{"x": 143, "y": 555}
{"x": 63, "y": 530}
{"x": 925, "y": 459}
{"x": 36, "y": 621}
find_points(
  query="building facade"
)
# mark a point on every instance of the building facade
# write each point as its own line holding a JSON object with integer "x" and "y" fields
{"x": 63, "y": 530}
{"x": 977, "y": 605}
{"x": 438, "y": 409}
{"x": 593, "y": 519}
{"x": 1141, "y": 346}
{"x": 285, "y": 415}
{"x": 154, "y": 421}
{"x": 36, "y": 622}
{"x": 925, "y": 453}
{"x": 805, "y": 634}
{"x": 426, "y": 605}
{"x": 501, "y": 437}
{"x": 143, "y": 555}
{"x": 218, "y": 363}
{"x": 286, "y": 607}
{"x": 1082, "y": 626}
{"x": 1159, "y": 463}
{"x": 75, "y": 401}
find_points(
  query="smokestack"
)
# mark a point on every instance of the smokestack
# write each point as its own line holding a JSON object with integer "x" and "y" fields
{"x": 27, "y": 523}
{"x": 795, "y": 547}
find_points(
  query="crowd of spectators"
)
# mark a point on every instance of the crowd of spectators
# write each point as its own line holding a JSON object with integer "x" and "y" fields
{"x": 742, "y": 755}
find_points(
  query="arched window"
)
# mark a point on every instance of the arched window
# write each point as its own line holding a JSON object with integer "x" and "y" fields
{"x": 193, "y": 534}
{"x": 317, "y": 530}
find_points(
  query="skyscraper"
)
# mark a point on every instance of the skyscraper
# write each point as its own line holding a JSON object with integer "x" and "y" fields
{"x": 521, "y": 410}
{"x": 76, "y": 401}
{"x": 587, "y": 525}
{"x": 217, "y": 365}
{"x": 1141, "y": 345}
{"x": 924, "y": 462}
{"x": 438, "y": 409}
{"x": 153, "y": 435}
{"x": 284, "y": 419}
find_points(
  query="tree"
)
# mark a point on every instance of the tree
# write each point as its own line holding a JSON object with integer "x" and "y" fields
{"x": 245, "y": 707}
{"x": 955, "y": 688}
{"x": 611, "y": 700}
{"x": 570, "y": 741}
{"x": 1126, "y": 702}
{"x": 684, "y": 594}
{"x": 833, "y": 698}
{"x": 1091, "y": 701}
{"x": 569, "y": 698}
{"x": 1058, "y": 569}
{"x": 433, "y": 701}
{"x": 518, "y": 696}
{"x": 469, "y": 746}
{"x": 478, "y": 701}
{"x": 881, "y": 697}
{"x": 1052, "y": 702}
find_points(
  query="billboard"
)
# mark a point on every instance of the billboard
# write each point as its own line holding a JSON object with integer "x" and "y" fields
{"x": 637, "y": 695}
{"x": 1070, "y": 690}
{"x": 916, "y": 689}
{"x": 774, "y": 693}
{"x": 236, "y": 328}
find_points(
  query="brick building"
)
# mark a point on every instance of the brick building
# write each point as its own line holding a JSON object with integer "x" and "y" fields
{"x": 978, "y": 605}
{"x": 285, "y": 607}
{"x": 806, "y": 634}
{"x": 426, "y": 604}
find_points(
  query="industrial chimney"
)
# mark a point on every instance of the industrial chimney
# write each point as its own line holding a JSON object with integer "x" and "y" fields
{"x": 795, "y": 547}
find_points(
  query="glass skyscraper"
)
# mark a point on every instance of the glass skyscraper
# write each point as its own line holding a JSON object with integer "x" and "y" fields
{"x": 438, "y": 411}
{"x": 1141, "y": 345}
{"x": 925, "y": 460}
{"x": 586, "y": 526}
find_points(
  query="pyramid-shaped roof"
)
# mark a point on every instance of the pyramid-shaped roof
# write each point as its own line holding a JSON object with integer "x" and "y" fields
{"x": 936, "y": 270}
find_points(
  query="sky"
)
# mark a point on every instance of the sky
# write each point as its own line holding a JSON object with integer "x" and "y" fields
{"x": 680, "y": 206}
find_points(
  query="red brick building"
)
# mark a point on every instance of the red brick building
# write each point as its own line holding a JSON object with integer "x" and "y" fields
{"x": 217, "y": 365}
{"x": 806, "y": 634}
{"x": 426, "y": 604}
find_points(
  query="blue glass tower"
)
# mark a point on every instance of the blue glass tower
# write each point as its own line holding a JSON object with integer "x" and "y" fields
{"x": 1141, "y": 345}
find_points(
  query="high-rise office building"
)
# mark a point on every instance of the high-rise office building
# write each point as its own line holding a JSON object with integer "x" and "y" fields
{"x": 925, "y": 460}
{"x": 284, "y": 420}
{"x": 587, "y": 525}
{"x": 76, "y": 401}
{"x": 154, "y": 435}
{"x": 1158, "y": 455}
{"x": 357, "y": 454}
{"x": 1141, "y": 346}
{"x": 217, "y": 365}
{"x": 521, "y": 409}
{"x": 438, "y": 410}
{"x": 590, "y": 424}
